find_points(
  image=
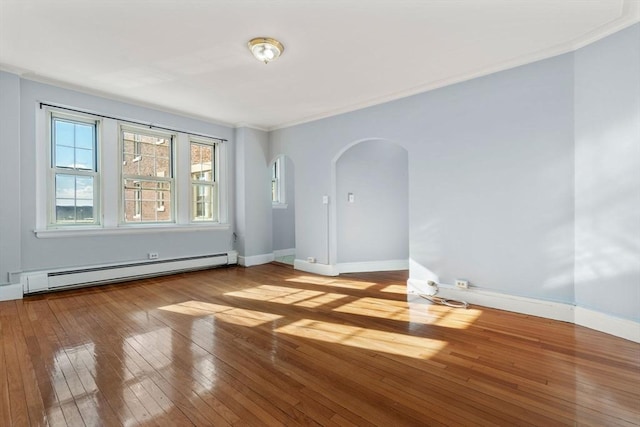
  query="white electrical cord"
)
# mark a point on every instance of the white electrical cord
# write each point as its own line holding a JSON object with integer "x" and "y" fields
{"x": 443, "y": 301}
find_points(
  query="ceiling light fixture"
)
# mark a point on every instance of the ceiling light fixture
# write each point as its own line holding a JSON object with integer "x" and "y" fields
{"x": 265, "y": 49}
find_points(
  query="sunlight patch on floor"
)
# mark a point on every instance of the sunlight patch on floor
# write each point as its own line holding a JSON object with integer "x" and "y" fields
{"x": 395, "y": 289}
{"x": 421, "y": 314}
{"x": 332, "y": 281}
{"x": 285, "y": 295}
{"x": 225, "y": 313}
{"x": 374, "y": 340}
{"x": 414, "y": 313}
{"x": 440, "y": 315}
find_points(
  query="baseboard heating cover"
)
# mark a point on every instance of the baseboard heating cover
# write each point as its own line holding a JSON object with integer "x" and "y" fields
{"x": 42, "y": 281}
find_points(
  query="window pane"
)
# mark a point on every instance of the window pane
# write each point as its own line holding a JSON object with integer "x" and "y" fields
{"x": 205, "y": 206}
{"x": 146, "y": 165}
{"x": 63, "y": 133}
{"x": 84, "y": 135}
{"x": 146, "y": 155}
{"x": 65, "y": 186}
{"x": 74, "y": 199}
{"x": 147, "y": 201}
{"x": 84, "y": 159}
{"x": 275, "y": 182}
{"x": 128, "y": 145}
{"x": 162, "y": 167}
{"x": 162, "y": 149}
{"x": 202, "y": 162}
{"x": 129, "y": 165}
{"x": 74, "y": 145}
{"x": 64, "y": 157}
{"x": 84, "y": 188}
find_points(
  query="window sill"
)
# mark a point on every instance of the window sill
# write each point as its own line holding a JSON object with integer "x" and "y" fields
{"x": 279, "y": 206}
{"x": 127, "y": 230}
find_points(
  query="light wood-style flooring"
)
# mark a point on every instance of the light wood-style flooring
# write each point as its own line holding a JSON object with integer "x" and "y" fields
{"x": 269, "y": 345}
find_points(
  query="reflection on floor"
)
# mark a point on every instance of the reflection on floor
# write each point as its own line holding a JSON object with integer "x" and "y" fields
{"x": 274, "y": 346}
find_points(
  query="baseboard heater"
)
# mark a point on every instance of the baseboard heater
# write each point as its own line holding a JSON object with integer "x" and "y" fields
{"x": 43, "y": 281}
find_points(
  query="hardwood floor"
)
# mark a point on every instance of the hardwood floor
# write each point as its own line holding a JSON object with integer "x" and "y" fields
{"x": 269, "y": 345}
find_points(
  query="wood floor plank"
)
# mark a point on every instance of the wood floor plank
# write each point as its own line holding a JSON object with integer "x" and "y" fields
{"x": 274, "y": 346}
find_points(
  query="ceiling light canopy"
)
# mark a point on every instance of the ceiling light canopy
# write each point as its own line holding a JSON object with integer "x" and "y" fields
{"x": 265, "y": 49}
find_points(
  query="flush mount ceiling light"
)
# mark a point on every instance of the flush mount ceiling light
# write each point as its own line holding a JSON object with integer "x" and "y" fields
{"x": 265, "y": 49}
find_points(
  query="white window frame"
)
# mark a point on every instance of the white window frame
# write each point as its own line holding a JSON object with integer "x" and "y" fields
{"x": 214, "y": 183}
{"x": 51, "y": 114}
{"x": 278, "y": 174}
{"x": 172, "y": 137}
{"x": 108, "y": 200}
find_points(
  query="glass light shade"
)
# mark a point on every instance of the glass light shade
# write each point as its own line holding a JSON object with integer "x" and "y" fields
{"x": 266, "y": 49}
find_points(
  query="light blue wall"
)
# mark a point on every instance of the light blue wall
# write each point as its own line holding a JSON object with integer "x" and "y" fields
{"x": 284, "y": 236}
{"x": 9, "y": 172}
{"x": 517, "y": 181}
{"x": 38, "y": 253}
{"x": 375, "y": 226}
{"x": 253, "y": 192}
{"x": 607, "y": 197}
{"x": 490, "y": 178}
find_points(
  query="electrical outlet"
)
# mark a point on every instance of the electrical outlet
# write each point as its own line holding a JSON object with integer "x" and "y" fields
{"x": 311, "y": 259}
{"x": 462, "y": 284}
{"x": 153, "y": 255}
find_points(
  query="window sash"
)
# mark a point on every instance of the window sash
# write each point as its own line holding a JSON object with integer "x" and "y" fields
{"x": 277, "y": 190}
{"x": 205, "y": 194}
{"x": 67, "y": 200}
{"x": 144, "y": 162}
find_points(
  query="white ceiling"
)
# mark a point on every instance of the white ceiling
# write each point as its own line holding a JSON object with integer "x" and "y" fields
{"x": 191, "y": 57}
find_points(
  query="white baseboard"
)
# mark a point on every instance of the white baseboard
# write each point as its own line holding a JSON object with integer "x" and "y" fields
{"x": 366, "y": 266}
{"x": 623, "y": 328}
{"x": 284, "y": 252}
{"x": 611, "y": 325}
{"x": 10, "y": 292}
{"x": 249, "y": 261}
{"x": 314, "y": 267}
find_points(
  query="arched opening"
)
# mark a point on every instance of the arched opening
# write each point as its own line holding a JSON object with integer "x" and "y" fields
{"x": 371, "y": 208}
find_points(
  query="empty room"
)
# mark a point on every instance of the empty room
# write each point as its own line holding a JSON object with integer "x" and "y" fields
{"x": 325, "y": 213}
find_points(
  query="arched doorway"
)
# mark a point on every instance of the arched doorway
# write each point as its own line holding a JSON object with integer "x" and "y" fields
{"x": 371, "y": 208}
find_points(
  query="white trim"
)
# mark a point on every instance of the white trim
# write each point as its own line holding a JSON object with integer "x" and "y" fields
{"x": 11, "y": 292}
{"x": 608, "y": 324}
{"x": 623, "y": 328}
{"x": 129, "y": 229}
{"x": 44, "y": 280}
{"x": 27, "y": 74}
{"x": 366, "y": 266}
{"x": 245, "y": 125}
{"x": 279, "y": 205}
{"x": 249, "y": 261}
{"x": 284, "y": 252}
{"x": 312, "y": 267}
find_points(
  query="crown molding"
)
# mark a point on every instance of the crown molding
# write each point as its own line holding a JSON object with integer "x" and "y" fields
{"x": 629, "y": 15}
{"x": 31, "y": 76}
{"x": 241, "y": 125}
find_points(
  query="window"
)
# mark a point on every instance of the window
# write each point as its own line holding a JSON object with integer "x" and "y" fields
{"x": 277, "y": 183}
{"x": 99, "y": 174}
{"x": 147, "y": 176}
{"x": 74, "y": 170}
{"x": 204, "y": 188}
